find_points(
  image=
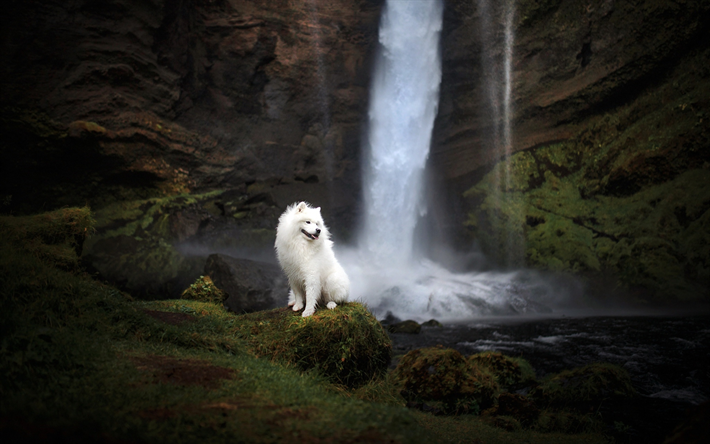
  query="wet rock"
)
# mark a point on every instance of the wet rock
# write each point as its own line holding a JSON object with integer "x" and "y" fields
{"x": 432, "y": 323}
{"x": 408, "y": 327}
{"x": 249, "y": 285}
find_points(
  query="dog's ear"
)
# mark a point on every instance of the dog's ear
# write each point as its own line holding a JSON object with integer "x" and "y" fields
{"x": 301, "y": 207}
{"x": 318, "y": 209}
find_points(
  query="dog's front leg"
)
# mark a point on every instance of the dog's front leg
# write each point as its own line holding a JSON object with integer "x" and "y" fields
{"x": 312, "y": 295}
{"x": 298, "y": 298}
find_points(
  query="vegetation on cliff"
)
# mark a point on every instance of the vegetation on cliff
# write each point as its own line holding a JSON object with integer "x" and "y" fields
{"x": 627, "y": 196}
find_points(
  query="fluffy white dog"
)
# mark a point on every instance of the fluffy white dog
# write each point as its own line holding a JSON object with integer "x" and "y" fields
{"x": 305, "y": 252}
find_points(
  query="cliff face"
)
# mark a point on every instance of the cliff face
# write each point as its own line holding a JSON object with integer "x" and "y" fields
{"x": 116, "y": 102}
{"x": 572, "y": 60}
{"x": 146, "y": 98}
{"x": 607, "y": 174}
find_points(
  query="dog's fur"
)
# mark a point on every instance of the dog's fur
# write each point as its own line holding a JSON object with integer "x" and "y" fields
{"x": 305, "y": 252}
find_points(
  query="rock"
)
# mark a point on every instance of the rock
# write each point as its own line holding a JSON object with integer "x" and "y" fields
{"x": 432, "y": 323}
{"x": 347, "y": 344}
{"x": 584, "y": 387}
{"x": 249, "y": 285}
{"x": 508, "y": 371}
{"x": 443, "y": 378}
{"x": 408, "y": 327}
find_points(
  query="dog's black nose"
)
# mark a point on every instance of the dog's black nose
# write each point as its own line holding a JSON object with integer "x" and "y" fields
{"x": 317, "y": 230}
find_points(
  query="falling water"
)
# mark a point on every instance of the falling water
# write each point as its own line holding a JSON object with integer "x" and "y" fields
{"x": 403, "y": 105}
{"x": 384, "y": 271}
{"x": 498, "y": 85}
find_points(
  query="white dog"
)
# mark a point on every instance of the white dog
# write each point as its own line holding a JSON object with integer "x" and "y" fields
{"x": 305, "y": 252}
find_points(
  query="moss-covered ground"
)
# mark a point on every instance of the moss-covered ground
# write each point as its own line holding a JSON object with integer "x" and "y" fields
{"x": 627, "y": 196}
{"x": 82, "y": 361}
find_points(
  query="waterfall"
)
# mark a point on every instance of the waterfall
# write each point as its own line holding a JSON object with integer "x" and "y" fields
{"x": 498, "y": 85}
{"x": 384, "y": 271}
{"x": 403, "y": 105}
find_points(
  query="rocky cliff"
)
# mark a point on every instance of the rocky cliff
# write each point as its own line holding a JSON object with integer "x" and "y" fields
{"x": 195, "y": 122}
{"x": 607, "y": 174}
{"x": 122, "y": 99}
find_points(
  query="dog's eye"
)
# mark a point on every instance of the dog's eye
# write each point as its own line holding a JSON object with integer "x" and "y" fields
{"x": 308, "y": 221}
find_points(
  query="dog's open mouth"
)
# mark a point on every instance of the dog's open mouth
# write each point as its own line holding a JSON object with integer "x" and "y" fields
{"x": 309, "y": 235}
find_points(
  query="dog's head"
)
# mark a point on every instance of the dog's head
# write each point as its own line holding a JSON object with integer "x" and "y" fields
{"x": 310, "y": 221}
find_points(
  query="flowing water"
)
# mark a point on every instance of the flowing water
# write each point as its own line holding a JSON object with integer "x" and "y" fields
{"x": 666, "y": 357}
{"x": 386, "y": 270}
{"x": 403, "y": 105}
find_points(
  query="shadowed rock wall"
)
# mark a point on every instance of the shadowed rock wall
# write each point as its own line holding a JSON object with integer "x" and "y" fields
{"x": 145, "y": 98}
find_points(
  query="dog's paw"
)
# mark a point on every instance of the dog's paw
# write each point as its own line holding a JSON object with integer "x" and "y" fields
{"x": 297, "y": 306}
{"x": 291, "y": 304}
{"x": 308, "y": 311}
{"x": 331, "y": 305}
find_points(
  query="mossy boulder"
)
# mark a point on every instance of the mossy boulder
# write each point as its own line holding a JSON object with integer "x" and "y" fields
{"x": 56, "y": 237}
{"x": 445, "y": 377}
{"x": 508, "y": 371}
{"x": 584, "y": 386}
{"x": 407, "y": 327}
{"x": 346, "y": 344}
{"x": 204, "y": 290}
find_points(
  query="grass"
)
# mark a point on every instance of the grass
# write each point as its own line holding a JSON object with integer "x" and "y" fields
{"x": 83, "y": 361}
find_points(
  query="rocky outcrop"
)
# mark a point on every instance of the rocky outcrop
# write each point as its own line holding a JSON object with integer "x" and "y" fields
{"x": 572, "y": 60}
{"x": 249, "y": 285}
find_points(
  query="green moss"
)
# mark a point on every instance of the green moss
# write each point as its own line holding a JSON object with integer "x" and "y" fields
{"x": 627, "y": 196}
{"x": 590, "y": 384}
{"x": 444, "y": 377}
{"x": 346, "y": 344}
{"x": 508, "y": 371}
{"x": 134, "y": 244}
{"x": 204, "y": 290}
{"x": 53, "y": 237}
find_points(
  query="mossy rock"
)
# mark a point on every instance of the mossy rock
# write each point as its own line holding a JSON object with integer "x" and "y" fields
{"x": 444, "y": 376}
{"x": 408, "y": 327}
{"x": 345, "y": 344}
{"x": 508, "y": 371}
{"x": 204, "y": 290}
{"x": 55, "y": 237}
{"x": 583, "y": 386}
